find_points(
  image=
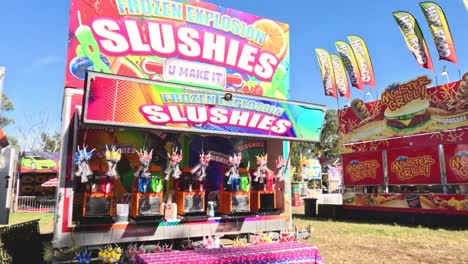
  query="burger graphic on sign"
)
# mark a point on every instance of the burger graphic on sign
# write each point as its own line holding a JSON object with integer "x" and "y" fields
{"x": 406, "y": 105}
{"x": 409, "y": 116}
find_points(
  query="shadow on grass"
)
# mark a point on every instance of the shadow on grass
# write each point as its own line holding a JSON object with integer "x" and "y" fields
{"x": 454, "y": 223}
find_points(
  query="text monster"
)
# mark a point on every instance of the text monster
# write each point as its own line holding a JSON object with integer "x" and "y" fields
{"x": 362, "y": 170}
{"x": 405, "y": 93}
{"x": 459, "y": 164}
{"x": 413, "y": 167}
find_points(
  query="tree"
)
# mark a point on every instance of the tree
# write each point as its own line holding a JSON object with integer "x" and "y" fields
{"x": 51, "y": 143}
{"x": 329, "y": 140}
{"x": 7, "y": 106}
{"x": 327, "y": 147}
{"x": 38, "y": 136}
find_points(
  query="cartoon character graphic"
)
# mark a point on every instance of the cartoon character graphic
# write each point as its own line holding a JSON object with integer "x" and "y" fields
{"x": 82, "y": 157}
{"x": 232, "y": 174}
{"x": 281, "y": 165}
{"x": 112, "y": 158}
{"x": 200, "y": 169}
{"x": 143, "y": 173}
{"x": 173, "y": 169}
{"x": 263, "y": 174}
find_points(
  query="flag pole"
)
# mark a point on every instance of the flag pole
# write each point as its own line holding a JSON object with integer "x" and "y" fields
{"x": 337, "y": 102}
{"x": 435, "y": 77}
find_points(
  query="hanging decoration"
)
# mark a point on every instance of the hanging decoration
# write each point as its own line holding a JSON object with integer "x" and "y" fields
{"x": 200, "y": 169}
{"x": 113, "y": 157}
{"x": 263, "y": 174}
{"x": 281, "y": 165}
{"x": 143, "y": 173}
{"x": 173, "y": 169}
{"x": 82, "y": 157}
{"x": 233, "y": 172}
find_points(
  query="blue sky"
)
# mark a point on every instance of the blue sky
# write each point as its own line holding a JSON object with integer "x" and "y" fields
{"x": 34, "y": 41}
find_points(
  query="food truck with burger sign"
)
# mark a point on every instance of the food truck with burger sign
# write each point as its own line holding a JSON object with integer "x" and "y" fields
{"x": 406, "y": 153}
{"x": 175, "y": 124}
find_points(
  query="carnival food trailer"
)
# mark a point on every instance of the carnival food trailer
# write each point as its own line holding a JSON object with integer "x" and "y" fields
{"x": 407, "y": 152}
{"x": 175, "y": 124}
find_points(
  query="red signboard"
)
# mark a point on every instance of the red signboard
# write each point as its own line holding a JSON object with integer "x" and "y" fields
{"x": 417, "y": 165}
{"x": 456, "y": 162}
{"x": 406, "y": 109}
{"x": 363, "y": 168}
{"x": 442, "y": 137}
{"x": 454, "y": 204}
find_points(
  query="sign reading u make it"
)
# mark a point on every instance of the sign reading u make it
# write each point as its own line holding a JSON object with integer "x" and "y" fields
{"x": 131, "y": 102}
{"x": 191, "y": 72}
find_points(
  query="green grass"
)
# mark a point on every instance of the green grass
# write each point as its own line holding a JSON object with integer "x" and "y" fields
{"x": 350, "y": 242}
{"x": 46, "y": 223}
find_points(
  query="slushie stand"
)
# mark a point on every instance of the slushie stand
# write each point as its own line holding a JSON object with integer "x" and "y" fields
{"x": 176, "y": 125}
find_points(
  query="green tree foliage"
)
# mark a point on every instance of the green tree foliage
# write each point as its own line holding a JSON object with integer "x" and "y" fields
{"x": 327, "y": 147}
{"x": 7, "y": 106}
{"x": 51, "y": 143}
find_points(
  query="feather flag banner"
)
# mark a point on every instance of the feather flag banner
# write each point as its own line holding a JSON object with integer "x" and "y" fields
{"x": 440, "y": 31}
{"x": 327, "y": 72}
{"x": 414, "y": 38}
{"x": 350, "y": 63}
{"x": 363, "y": 59}
{"x": 341, "y": 79}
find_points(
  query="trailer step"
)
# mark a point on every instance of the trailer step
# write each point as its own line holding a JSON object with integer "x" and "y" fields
{"x": 142, "y": 220}
{"x": 95, "y": 220}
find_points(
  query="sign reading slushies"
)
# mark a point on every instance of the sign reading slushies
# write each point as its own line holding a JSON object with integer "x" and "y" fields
{"x": 124, "y": 101}
{"x": 193, "y": 43}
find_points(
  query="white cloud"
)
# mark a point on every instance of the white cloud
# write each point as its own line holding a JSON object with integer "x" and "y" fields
{"x": 46, "y": 61}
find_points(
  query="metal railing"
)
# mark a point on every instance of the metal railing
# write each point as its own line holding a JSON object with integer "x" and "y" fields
{"x": 40, "y": 204}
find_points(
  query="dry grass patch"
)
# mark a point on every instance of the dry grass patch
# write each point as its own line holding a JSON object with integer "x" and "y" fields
{"x": 347, "y": 242}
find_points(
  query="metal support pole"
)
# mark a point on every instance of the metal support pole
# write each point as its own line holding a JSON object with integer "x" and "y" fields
{"x": 443, "y": 174}
{"x": 5, "y": 163}
{"x": 384, "y": 158}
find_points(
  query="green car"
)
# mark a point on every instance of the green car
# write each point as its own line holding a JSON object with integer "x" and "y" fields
{"x": 37, "y": 163}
